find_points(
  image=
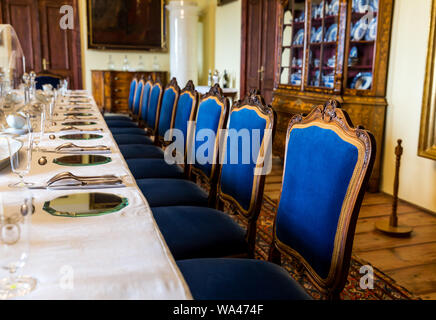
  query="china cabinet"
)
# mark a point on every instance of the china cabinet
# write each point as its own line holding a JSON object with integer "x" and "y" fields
{"x": 333, "y": 49}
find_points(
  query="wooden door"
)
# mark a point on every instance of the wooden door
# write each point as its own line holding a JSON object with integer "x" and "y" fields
{"x": 23, "y": 16}
{"x": 37, "y": 25}
{"x": 60, "y": 48}
{"x": 258, "y": 47}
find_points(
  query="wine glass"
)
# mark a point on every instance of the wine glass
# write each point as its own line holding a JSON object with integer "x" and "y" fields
{"x": 15, "y": 222}
{"x": 38, "y": 126}
{"x": 21, "y": 160}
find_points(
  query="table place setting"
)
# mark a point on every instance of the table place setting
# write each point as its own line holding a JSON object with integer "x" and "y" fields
{"x": 85, "y": 217}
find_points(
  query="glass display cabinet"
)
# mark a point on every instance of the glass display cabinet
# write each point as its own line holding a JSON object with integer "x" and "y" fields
{"x": 333, "y": 49}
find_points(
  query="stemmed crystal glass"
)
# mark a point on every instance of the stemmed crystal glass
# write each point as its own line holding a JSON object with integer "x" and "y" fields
{"x": 38, "y": 126}
{"x": 21, "y": 160}
{"x": 15, "y": 223}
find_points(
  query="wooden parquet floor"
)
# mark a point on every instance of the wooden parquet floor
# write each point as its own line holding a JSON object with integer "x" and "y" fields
{"x": 411, "y": 262}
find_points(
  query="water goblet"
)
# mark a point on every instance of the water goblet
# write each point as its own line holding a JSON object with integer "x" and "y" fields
{"x": 21, "y": 159}
{"x": 15, "y": 222}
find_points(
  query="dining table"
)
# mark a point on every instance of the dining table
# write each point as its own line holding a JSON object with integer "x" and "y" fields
{"x": 119, "y": 255}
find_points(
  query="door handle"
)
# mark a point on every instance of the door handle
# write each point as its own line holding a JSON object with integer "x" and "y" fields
{"x": 45, "y": 63}
{"x": 261, "y": 71}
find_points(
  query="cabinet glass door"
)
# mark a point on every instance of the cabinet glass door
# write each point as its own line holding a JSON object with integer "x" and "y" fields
{"x": 293, "y": 38}
{"x": 362, "y": 44}
{"x": 323, "y": 43}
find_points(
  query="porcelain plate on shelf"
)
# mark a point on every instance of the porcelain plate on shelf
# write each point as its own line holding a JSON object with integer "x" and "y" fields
{"x": 362, "y": 81}
{"x": 299, "y": 37}
{"x": 332, "y": 33}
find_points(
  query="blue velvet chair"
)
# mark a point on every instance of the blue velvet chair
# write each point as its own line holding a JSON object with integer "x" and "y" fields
{"x": 130, "y": 123}
{"x": 185, "y": 111}
{"x": 196, "y": 232}
{"x": 326, "y": 170}
{"x": 212, "y": 114}
{"x": 47, "y": 78}
{"x": 143, "y": 105}
{"x": 132, "y": 91}
{"x": 164, "y": 123}
{"x": 154, "y": 104}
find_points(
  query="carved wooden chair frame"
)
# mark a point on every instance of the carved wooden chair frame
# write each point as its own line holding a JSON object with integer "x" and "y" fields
{"x": 172, "y": 85}
{"x": 253, "y": 101}
{"x": 330, "y": 116}
{"x": 149, "y": 81}
{"x": 215, "y": 93}
{"x": 189, "y": 89}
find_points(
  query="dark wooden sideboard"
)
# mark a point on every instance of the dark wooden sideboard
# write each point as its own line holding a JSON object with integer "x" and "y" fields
{"x": 111, "y": 88}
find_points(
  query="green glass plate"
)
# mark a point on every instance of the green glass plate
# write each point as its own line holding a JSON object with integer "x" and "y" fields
{"x": 77, "y": 114}
{"x": 81, "y": 136}
{"x": 85, "y": 204}
{"x": 78, "y": 160}
{"x": 79, "y": 123}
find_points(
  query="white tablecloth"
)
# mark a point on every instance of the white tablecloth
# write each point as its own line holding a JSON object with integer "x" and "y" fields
{"x": 120, "y": 255}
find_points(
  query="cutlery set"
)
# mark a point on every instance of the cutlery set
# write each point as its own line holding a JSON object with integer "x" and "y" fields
{"x": 73, "y": 148}
{"x": 67, "y": 180}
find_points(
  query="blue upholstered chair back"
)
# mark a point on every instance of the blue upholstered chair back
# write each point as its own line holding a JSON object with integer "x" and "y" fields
{"x": 169, "y": 102}
{"x": 145, "y": 99}
{"x": 326, "y": 169}
{"x": 154, "y": 105}
{"x": 186, "y": 110}
{"x": 47, "y": 79}
{"x": 211, "y": 116}
{"x": 137, "y": 98}
{"x": 247, "y": 153}
{"x": 132, "y": 91}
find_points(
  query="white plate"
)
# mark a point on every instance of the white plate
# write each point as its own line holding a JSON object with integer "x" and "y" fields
{"x": 287, "y": 35}
{"x": 4, "y": 151}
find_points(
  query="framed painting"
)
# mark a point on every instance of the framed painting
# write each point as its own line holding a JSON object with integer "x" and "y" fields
{"x": 427, "y": 134}
{"x": 126, "y": 24}
{"x": 223, "y": 2}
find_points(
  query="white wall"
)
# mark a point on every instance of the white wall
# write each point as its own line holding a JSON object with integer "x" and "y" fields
{"x": 404, "y": 94}
{"x": 228, "y": 40}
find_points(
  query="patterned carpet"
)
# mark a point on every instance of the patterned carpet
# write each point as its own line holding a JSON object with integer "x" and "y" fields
{"x": 385, "y": 288}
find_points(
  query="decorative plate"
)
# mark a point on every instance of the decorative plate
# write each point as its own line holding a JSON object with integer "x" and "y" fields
{"x": 79, "y": 123}
{"x": 312, "y": 34}
{"x": 371, "y": 33}
{"x": 334, "y": 9}
{"x": 362, "y": 81}
{"x": 287, "y": 19}
{"x": 332, "y": 33}
{"x": 82, "y": 160}
{"x": 81, "y": 136}
{"x": 360, "y": 30}
{"x": 318, "y": 35}
{"x": 287, "y": 36}
{"x": 284, "y": 77}
{"x": 362, "y": 5}
{"x": 299, "y": 37}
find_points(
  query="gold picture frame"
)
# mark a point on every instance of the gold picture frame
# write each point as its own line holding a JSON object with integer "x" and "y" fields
{"x": 427, "y": 132}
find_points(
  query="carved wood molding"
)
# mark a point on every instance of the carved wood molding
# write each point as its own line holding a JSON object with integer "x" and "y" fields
{"x": 427, "y": 131}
